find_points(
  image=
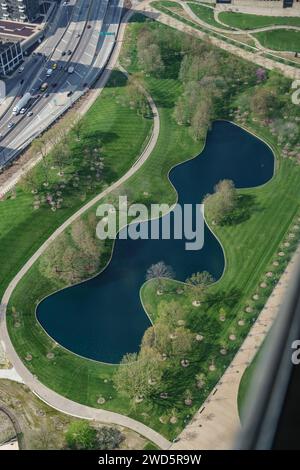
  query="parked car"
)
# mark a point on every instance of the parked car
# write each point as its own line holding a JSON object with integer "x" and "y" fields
{"x": 10, "y": 125}
{"x": 30, "y": 113}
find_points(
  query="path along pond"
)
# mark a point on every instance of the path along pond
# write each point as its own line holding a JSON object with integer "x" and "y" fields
{"x": 103, "y": 318}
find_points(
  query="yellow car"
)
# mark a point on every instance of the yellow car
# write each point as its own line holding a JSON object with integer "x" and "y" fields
{"x": 54, "y": 66}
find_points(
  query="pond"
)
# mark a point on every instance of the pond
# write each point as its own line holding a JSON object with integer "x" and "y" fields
{"x": 103, "y": 318}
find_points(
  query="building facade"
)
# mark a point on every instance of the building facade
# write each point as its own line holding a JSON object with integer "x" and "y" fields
{"x": 19, "y": 10}
{"x": 10, "y": 56}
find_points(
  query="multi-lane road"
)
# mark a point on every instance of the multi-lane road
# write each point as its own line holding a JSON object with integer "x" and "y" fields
{"x": 82, "y": 36}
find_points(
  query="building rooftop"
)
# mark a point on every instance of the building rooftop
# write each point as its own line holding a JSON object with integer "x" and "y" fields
{"x": 16, "y": 29}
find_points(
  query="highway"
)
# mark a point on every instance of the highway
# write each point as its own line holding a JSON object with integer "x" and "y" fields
{"x": 77, "y": 38}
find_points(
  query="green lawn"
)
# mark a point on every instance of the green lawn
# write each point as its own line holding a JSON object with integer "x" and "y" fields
{"x": 250, "y": 248}
{"x": 248, "y": 21}
{"x": 280, "y": 40}
{"x": 160, "y": 5}
{"x": 205, "y": 14}
{"x": 122, "y": 133}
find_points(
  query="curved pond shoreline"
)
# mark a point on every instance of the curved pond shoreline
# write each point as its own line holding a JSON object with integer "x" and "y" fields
{"x": 103, "y": 318}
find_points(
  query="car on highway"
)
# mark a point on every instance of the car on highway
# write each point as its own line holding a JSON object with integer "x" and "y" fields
{"x": 10, "y": 125}
{"x": 44, "y": 86}
{"x": 30, "y": 113}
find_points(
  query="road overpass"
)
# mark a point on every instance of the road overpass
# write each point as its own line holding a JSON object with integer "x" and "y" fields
{"x": 82, "y": 36}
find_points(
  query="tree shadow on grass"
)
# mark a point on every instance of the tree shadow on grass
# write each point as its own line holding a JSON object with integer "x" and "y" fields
{"x": 117, "y": 79}
{"x": 225, "y": 298}
{"x": 246, "y": 206}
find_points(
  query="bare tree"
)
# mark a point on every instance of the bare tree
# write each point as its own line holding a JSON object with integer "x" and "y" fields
{"x": 159, "y": 271}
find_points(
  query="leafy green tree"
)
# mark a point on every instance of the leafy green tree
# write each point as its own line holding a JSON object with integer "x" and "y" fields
{"x": 138, "y": 374}
{"x": 263, "y": 103}
{"x": 171, "y": 313}
{"x": 150, "y": 59}
{"x": 222, "y": 202}
{"x": 81, "y": 436}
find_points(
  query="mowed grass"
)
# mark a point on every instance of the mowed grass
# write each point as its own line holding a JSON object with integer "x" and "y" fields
{"x": 250, "y": 247}
{"x": 206, "y": 14}
{"x": 280, "y": 39}
{"x": 80, "y": 379}
{"x": 122, "y": 133}
{"x": 248, "y": 21}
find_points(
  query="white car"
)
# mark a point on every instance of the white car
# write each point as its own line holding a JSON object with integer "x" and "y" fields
{"x": 23, "y": 111}
{"x": 10, "y": 125}
{"x": 30, "y": 113}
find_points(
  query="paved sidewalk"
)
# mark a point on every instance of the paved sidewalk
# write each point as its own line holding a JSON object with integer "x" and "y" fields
{"x": 49, "y": 396}
{"x": 82, "y": 110}
{"x": 226, "y": 30}
{"x": 11, "y": 374}
{"x": 216, "y": 423}
{"x": 255, "y": 57}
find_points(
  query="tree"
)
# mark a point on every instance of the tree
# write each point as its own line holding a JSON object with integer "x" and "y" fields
{"x": 201, "y": 119}
{"x": 263, "y": 103}
{"x": 171, "y": 313}
{"x": 61, "y": 155}
{"x": 137, "y": 96}
{"x": 81, "y": 436}
{"x": 199, "y": 282}
{"x": 222, "y": 202}
{"x": 183, "y": 341}
{"x": 150, "y": 59}
{"x": 138, "y": 375}
{"x": 109, "y": 438}
{"x": 159, "y": 270}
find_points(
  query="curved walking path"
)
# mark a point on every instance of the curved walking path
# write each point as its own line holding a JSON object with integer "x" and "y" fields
{"x": 254, "y": 30}
{"x": 93, "y": 94}
{"x": 287, "y": 70}
{"x": 47, "y": 395}
{"x": 217, "y": 422}
{"x": 237, "y": 31}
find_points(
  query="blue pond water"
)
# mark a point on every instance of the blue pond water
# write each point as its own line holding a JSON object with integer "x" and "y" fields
{"x": 103, "y": 318}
